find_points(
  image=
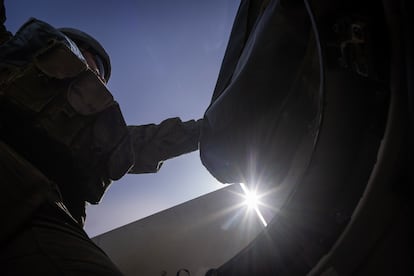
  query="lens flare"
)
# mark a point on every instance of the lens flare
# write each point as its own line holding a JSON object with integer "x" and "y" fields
{"x": 252, "y": 200}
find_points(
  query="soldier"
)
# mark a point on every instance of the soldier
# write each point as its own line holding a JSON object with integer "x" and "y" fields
{"x": 63, "y": 140}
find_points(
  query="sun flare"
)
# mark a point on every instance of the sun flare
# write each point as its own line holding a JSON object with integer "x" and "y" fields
{"x": 252, "y": 200}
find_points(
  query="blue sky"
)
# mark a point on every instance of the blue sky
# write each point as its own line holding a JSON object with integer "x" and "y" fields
{"x": 165, "y": 56}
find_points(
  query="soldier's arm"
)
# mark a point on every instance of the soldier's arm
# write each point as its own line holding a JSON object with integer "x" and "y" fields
{"x": 155, "y": 143}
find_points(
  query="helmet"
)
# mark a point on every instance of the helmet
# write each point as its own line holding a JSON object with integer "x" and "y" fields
{"x": 83, "y": 39}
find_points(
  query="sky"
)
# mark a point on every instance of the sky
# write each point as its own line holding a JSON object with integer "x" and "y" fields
{"x": 165, "y": 57}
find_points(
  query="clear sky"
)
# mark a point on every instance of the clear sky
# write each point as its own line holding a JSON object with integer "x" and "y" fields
{"x": 166, "y": 56}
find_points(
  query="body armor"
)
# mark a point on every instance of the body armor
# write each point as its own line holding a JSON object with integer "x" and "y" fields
{"x": 58, "y": 114}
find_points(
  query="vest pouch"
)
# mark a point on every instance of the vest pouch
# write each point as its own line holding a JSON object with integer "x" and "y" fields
{"x": 28, "y": 90}
{"x": 59, "y": 62}
{"x": 96, "y": 99}
{"x": 34, "y": 85}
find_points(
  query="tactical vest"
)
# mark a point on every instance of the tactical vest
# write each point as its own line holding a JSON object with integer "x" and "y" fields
{"x": 57, "y": 113}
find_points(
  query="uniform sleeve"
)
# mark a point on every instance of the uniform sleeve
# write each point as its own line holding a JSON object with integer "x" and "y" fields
{"x": 154, "y": 144}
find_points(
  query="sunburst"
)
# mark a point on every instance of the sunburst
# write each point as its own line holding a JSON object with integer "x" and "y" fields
{"x": 252, "y": 200}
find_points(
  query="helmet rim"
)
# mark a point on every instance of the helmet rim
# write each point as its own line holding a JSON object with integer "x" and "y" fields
{"x": 81, "y": 37}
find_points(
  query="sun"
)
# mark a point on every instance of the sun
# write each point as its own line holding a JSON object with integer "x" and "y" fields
{"x": 252, "y": 200}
